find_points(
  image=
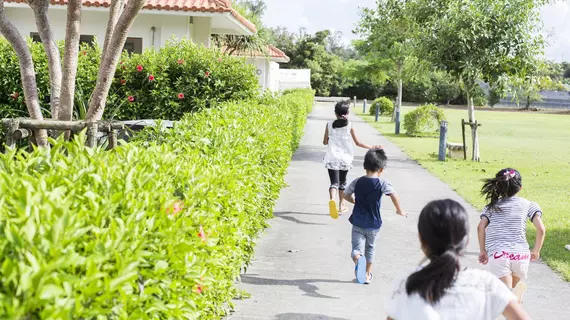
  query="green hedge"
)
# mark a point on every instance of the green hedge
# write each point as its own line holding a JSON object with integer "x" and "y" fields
{"x": 385, "y": 104}
{"x": 156, "y": 229}
{"x": 423, "y": 119}
{"x": 181, "y": 77}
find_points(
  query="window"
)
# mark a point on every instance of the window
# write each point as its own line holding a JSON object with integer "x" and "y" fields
{"x": 86, "y": 39}
{"x": 133, "y": 45}
{"x": 82, "y": 38}
{"x": 35, "y": 37}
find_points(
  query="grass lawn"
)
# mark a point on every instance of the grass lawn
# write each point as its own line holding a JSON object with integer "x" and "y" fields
{"x": 538, "y": 145}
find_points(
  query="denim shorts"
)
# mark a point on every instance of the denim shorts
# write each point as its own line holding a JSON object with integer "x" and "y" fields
{"x": 363, "y": 241}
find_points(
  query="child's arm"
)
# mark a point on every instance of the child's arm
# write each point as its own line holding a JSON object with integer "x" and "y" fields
{"x": 540, "y": 234}
{"x": 396, "y": 201}
{"x": 349, "y": 192}
{"x": 326, "y": 138}
{"x": 483, "y": 258}
{"x": 360, "y": 144}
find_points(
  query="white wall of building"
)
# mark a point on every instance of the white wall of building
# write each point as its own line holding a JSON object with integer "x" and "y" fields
{"x": 94, "y": 23}
{"x": 267, "y": 72}
{"x": 294, "y": 78}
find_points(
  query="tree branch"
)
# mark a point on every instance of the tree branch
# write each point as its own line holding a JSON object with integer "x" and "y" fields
{"x": 40, "y": 8}
{"x": 27, "y": 72}
{"x": 115, "y": 11}
{"x": 70, "y": 59}
{"x": 111, "y": 58}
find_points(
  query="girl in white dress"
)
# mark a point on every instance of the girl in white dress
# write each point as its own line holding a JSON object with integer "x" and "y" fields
{"x": 339, "y": 139}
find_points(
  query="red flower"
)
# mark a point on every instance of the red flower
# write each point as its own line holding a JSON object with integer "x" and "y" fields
{"x": 123, "y": 82}
{"x": 207, "y": 74}
{"x": 198, "y": 289}
{"x": 180, "y": 61}
{"x": 139, "y": 68}
{"x": 131, "y": 99}
{"x": 175, "y": 208}
{"x": 202, "y": 234}
{"x": 181, "y": 96}
{"x": 15, "y": 95}
{"x": 84, "y": 53}
{"x": 123, "y": 67}
{"x": 151, "y": 78}
{"x": 121, "y": 62}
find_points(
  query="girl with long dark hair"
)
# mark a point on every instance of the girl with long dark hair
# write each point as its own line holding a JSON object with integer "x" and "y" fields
{"x": 443, "y": 289}
{"x": 502, "y": 229}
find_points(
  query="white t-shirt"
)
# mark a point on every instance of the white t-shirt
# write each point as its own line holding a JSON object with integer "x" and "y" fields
{"x": 475, "y": 295}
{"x": 340, "y": 150}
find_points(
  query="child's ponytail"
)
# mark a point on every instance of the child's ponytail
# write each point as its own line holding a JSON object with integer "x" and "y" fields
{"x": 341, "y": 109}
{"x": 505, "y": 184}
{"x": 443, "y": 228}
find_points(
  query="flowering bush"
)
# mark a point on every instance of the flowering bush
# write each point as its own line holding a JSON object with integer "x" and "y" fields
{"x": 156, "y": 229}
{"x": 179, "y": 78}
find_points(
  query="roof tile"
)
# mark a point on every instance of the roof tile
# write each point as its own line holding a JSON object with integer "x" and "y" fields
{"x": 220, "y": 6}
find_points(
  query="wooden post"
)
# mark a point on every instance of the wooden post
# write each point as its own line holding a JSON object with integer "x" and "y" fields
{"x": 464, "y": 142}
{"x": 364, "y": 108}
{"x": 442, "y": 140}
{"x": 92, "y": 129}
{"x": 21, "y": 134}
{"x": 397, "y": 129}
{"x": 112, "y": 137}
{"x": 13, "y": 125}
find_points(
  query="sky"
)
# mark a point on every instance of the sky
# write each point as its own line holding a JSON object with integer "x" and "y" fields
{"x": 342, "y": 15}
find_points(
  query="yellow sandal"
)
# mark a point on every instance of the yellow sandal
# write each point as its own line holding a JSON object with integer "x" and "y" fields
{"x": 333, "y": 211}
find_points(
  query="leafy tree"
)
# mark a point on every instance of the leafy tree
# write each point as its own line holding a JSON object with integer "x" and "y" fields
{"x": 253, "y": 10}
{"x": 480, "y": 39}
{"x": 389, "y": 31}
{"x": 121, "y": 18}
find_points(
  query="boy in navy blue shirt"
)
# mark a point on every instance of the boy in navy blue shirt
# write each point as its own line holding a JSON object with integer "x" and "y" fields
{"x": 365, "y": 219}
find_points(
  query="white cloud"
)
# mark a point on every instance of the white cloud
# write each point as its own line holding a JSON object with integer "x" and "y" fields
{"x": 343, "y": 15}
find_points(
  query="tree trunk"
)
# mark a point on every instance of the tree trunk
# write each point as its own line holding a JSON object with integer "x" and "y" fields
{"x": 115, "y": 11}
{"x": 27, "y": 72}
{"x": 40, "y": 8}
{"x": 70, "y": 59}
{"x": 474, "y": 135}
{"x": 111, "y": 58}
{"x": 400, "y": 89}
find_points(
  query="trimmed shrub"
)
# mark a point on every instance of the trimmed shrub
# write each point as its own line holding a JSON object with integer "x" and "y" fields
{"x": 179, "y": 78}
{"x": 386, "y": 106}
{"x": 156, "y": 229}
{"x": 424, "y": 119}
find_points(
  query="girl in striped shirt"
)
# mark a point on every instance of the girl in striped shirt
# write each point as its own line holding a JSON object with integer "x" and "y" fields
{"x": 502, "y": 230}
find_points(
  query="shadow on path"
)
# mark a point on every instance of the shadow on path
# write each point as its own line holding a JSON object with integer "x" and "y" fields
{"x": 310, "y": 153}
{"x": 305, "y": 285}
{"x": 287, "y": 216}
{"x": 305, "y": 316}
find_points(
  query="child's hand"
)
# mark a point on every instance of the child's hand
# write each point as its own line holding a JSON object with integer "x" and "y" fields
{"x": 377, "y": 147}
{"x": 534, "y": 255}
{"x": 402, "y": 213}
{"x": 483, "y": 258}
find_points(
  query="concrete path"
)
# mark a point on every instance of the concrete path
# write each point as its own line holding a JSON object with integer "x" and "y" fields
{"x": 302, "y": 268}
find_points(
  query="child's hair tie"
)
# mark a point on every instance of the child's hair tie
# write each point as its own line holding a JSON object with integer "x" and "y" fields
{"x": 510, "y": 174}
{"x": 344, "y": 116}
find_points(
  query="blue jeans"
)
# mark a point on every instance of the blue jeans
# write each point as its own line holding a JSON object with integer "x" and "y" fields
{"x": 363, "y": 241}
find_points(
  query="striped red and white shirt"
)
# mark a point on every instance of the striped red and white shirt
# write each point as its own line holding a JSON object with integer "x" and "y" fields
{"x": 507, "y": 225}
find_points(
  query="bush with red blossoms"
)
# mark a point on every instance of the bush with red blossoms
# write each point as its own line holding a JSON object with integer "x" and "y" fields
{"x": 205, "y": 76}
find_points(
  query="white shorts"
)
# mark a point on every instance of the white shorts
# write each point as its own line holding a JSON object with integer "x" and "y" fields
{"x": 503, "y": 264}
